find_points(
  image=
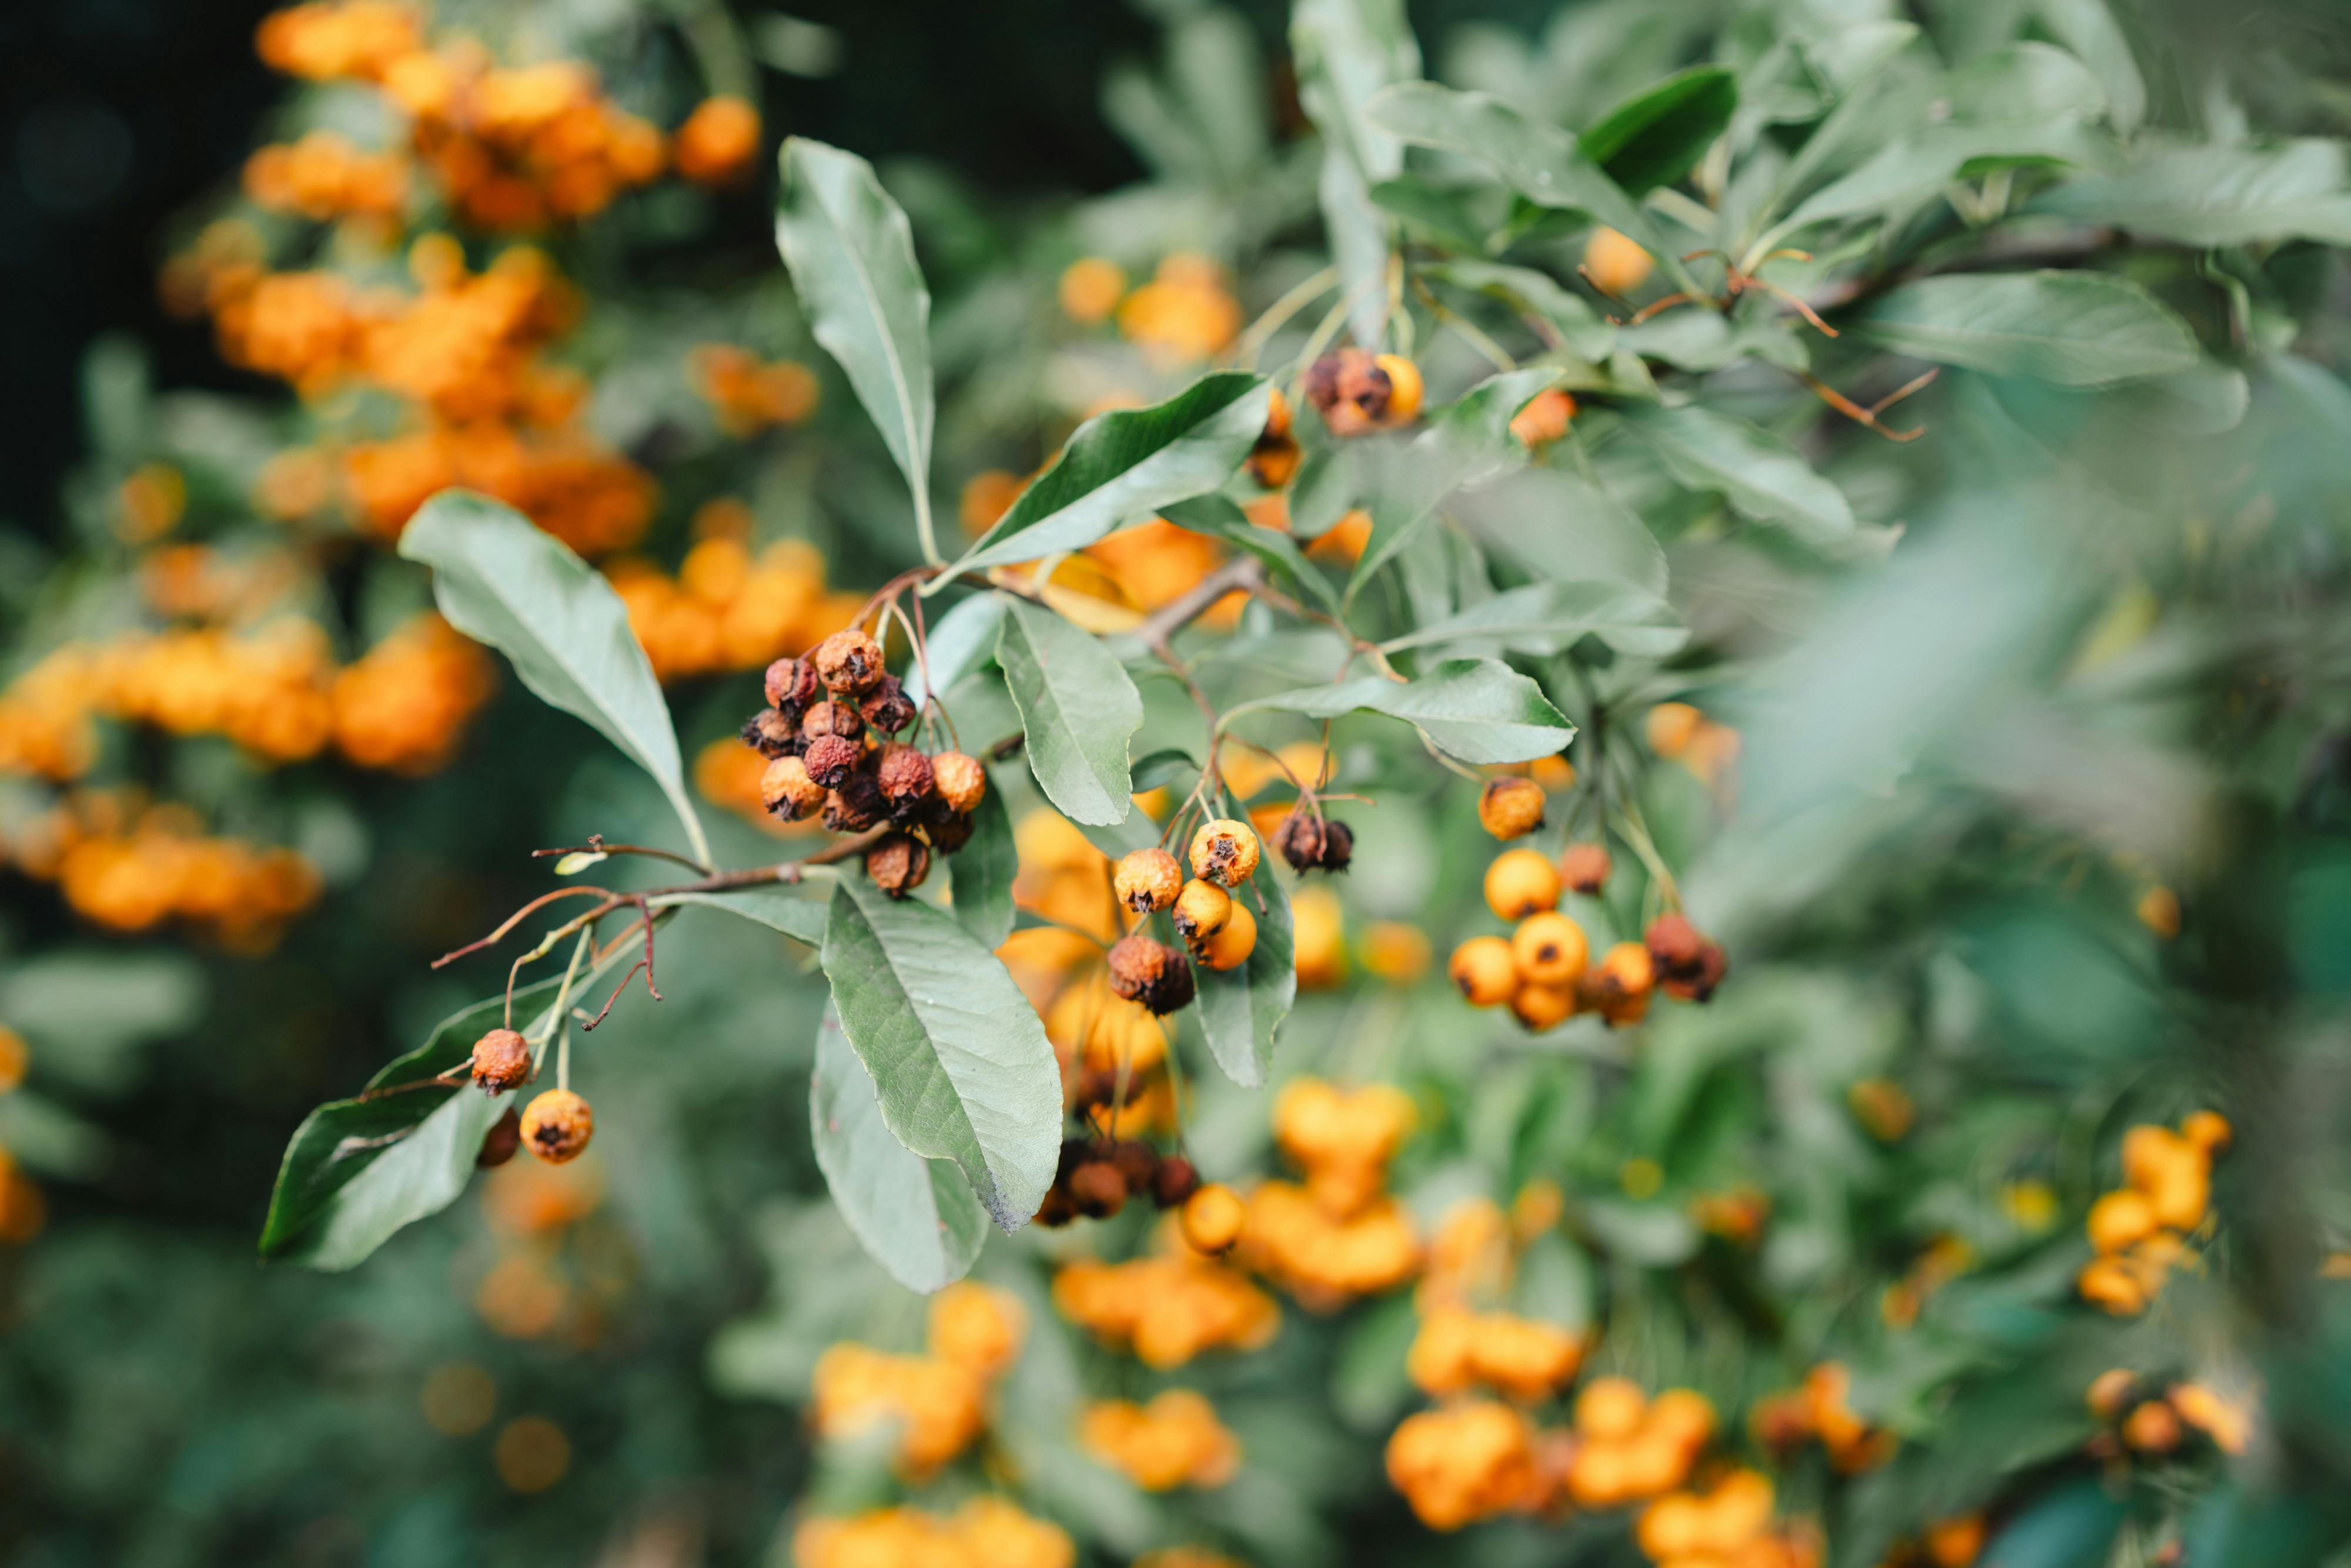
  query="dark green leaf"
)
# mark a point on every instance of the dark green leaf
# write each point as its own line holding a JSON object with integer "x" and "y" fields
{"x": 1447, "y": 215}
{"x": 1656, "y": 137}
{"x": 2071, "y": 1527}
{"x": 1219, "y": 516}
{"x": 981, "y": 873}
{"x": 2076, "y": 328}
{"x": 1240, "y": 1008}
{"x": 1760, "y": 475}
{"x": 1478, "y": 710}
{"x": 1077, "y": 708}
{"x": 1164, "y": 767}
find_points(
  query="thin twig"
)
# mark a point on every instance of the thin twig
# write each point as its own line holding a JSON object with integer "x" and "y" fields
{"x": 597, "y": 846}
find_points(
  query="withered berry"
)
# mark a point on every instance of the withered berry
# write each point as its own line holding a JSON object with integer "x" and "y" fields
{"x": 1056, "y": 1210}
{"x": 1586, "y": 867}
{"x": 1201, "y": 910}
{"x": 829, "y": 759}
{"x": 1225, "y": 852}
{"x": 905, "y": 775}
{"x": 1137, "y": 1163}
{"x": 786, "y": 788}
{"x": 792, "y": 685}
{"x": 1147, "y": 880}
{"x": 1510, "y": 806}
{"x": 1356, "y": 392}
{"x": 887, "y": 707}
{"x": 1675, "y": 944}
{"x": 501, "y": 1061}
{"x": 841, "y": 719}
{"x": 1174, "y": 1182}
{"x": 898, "y": 863}
{"x": 1312, "y": 843}
{"x": 947, "y": 830}
{"x": 557, "y": 1126}
{"x": 771, "y": 733}
{"x": 960, "y": 781}
{"x": 848, "y": 662}
{"x": 1150, "y": 972}
{"x": 499, "y": 1144}
{"x": 1097, "y": 1190}
{"x": 855, "y": 804}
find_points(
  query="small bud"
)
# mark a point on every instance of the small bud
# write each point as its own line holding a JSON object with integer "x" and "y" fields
{"x": 1147, "y": 880}
{"x": 1586, "y": 867}
{"x": 830, "y": 759}
{"x": 898, "y": 863}
{"x": 499, "y": 1144}
{"x": 855, "y": 804}
{"x": 1097, "y": 1190}
{"x": 848, "y": 662}
{"x": 1150, "y": 972}
{"x": 960, "y": 781}
{"x": 786, "y": 789}
{"x": 792, "y": 685}
{"x": 1175, "y": 1182}
{"x": 1201, "y": 910}
{"x": 1225, "y": 852}
{"x": 501, "y": 1061}
{"x": 887, "y": 707}
{"x": 906, "y": 776}
{"x": 557, "y": 1126}
{"x": 832, "y": 718}
{"x": 770, "y": 733}
{"x": 1510, "y": 806}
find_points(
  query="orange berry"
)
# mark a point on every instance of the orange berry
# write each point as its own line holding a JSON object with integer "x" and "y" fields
{"x": 1510, "y": 806}
{"x": 1521, "y": 883}
{"x": 1549, "y": 949}
{"x": 1483, "y": 971}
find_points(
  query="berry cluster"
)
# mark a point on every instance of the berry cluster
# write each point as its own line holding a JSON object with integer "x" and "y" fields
{"x": 937, "y": 1402}
{"x": 2147, "y": 1422}
{"x": 1175, "y": 1441}
{"x": 1217, "y": 928}
{"x": 1819, "y": 1407}
{"x": 2140, "y": 1229}
{"x": 986, "y": 1531}
{"x": 827, "y": 734}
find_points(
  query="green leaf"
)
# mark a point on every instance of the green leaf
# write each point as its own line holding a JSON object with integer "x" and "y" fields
{"x": 1555, "y": 523}
{"x": 1541, "y": 162}
{"x": 1532, "y": 293}
{"x": 358, "y": 1170}
{"x": 1479, "y": 710}
{"x": 502, "y": 581}
{"x": 958, "y": 642}
{"x": 2074, "y": 1527}
{"x": 1760, "y": 475}
{"x": 1077, "y": 708}
{"x": 1546, "y": 618}
{"x": 917, "y": 1217}
{"x": 1656, "y": 137}
{"x": 958, "y": 1057}
{"x": 2088, "y": 29}
{"x": 1220, "y": 517}
{"x": 1445, "y": 213}
{"x": 1164, "y": 767}
{"x": 2219, "y": 196}
{"x": 2076, "y": 328}
{"x": 852, "y": 256}
{"x": 1346, "y": 50}
{"x": 1127, "y": 465}
{"x": 794, "y": 913}
{"x": 1466, "y": 441}
{"x": 1240, "y": 1008}
{"x": 981, "y": 873}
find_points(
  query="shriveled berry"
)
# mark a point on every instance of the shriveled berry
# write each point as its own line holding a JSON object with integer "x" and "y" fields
{"x": 1150, "y": 972}
{"x": 1314, "y": 843}
{"x": 499, "y": 1144}
{"x": 1147, "y": 881}
{"x": 1201, "y": 910}
{"x": 786, "y": 789}
{"x": 906, "y": 776}
{"x": 1700, "y": 985}
{"x": 1137, "y": 1163}
{"x": 1586, "y": 867}
{"x": 829, "y": 759}
{"x": 961, "y": 781}
{"x": 1521, "y": 883}
{"x": 1338, "y": 846}
{"x": 1230, "y": 947}
{"x": 1212, "y": 1219}
{"x": 1056, "y": 1210}
{"x": 1549, "y": 949}
{"x": 1097, "y": 1190}
{"x": 855, "y": 805}
{"x": 1510, "y": 806}
{"x": 1225, "y": 852}
{"x": 838, "y": 719}
{"x": 947, "y": 830}
{"x": 887, "y": 707}
{"x": 1175, "y": 1182}
{"x": 1357, "y": 391}
{"x": 556, "y": 1125}
{"x": 501, "y": 1060}
{"x": 848, "y": 661}
{"x": 897, "y": 864}
{"x": 771, "y": 733}
{"x": 1674, "y": 943}
{"x": 792, "y": 685}
{"x": 1483, "y": 971}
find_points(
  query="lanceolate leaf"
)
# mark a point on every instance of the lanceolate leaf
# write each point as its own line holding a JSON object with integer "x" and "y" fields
{"x": 2220, "y": 195}
{"x": 1346, "y": 50}
{"x": 981, "y": 873}
{"x": 1530, "y": 292}
{"x": 1546, "y": 618}
{"x": 851, "y": 256}
{"x": 917, "y": 1217}
{"x": 959, "y": 1059}
{"x": 1760, "y": 475}
{"x": 1466, "y": 441}
{"x": 502, "y": 581}
{"x": 359, "y": 1169}
{"x": 1125, "y": 465}
{"x": 1240, "y": 1009}
{"x": 795, "y": 911}
{"x": 1078, "y": 709}
{"x": 1478, "y": 710}
{"x": 958, "y": 643}
{"x": 2076, "y": 328}
{"x": 1656, "y": 137}
{"x": 1219, "y": 514}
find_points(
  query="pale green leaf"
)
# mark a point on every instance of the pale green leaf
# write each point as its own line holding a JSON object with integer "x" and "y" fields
{"x": 1546, "y": 618}
{"x": 1760, "y": 475}
{"x": 1345, "y": 51}
{"x": 2219, "y": 196}
{"x": 1478, "y": 710}
{"x": 981, "y": 873}
{"x": 1078, "y": 709}
{"x": 2076, "y": 328}
{"x": 915, "y": 1216}
{"x": 1240, "y": 1008}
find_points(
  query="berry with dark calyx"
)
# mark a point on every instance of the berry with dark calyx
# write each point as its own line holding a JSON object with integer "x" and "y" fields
{"x": 1356, "y": 392}
{"x": 1687, "y": 965}
{"x": 855, "y": 805}
{"x": 771, "y": 733}
{"x": 1510, "y": 806}
{"x": 1586, "y": 867}
{"x": 830, "y": 759}
{"x": 1150, "y": 972}
{"x": 1314, "y": 843}
{"x": 1147, "y": 881}
{"x": 501, "y": 1061}
{"x": 1225, "y": 852}
{"x": 887, "y": 707}
{"x": 1137, "y": 1162}
{"x": 898, "y": 863}
{"x": 1338, "y": 846}
{"x": 906, "y": 776}
{"x": 961, "y": 781}
{"x": 1273, "y": 460}
{"x": 1175, "y": 1182}
{"x": 499, "y": 1144}
{"x": 1549, "y": 949}
{"x": 848, "y": 662}
{"x": 1230, "y": 947}
{"x": 557, "y": 1126}
{"x": 825, "y": 719}
{"x": 1201, "y": 910}
{"x": 1097, "y": 1190}
{"x": 1700, "y": 985}
{"x": 947, "y": 830}
{"x": 1056, "y": 1210}
{"x": 792, "y": 685}
{"x": 1483, "y": 971}
{"x": 788, "y": 791}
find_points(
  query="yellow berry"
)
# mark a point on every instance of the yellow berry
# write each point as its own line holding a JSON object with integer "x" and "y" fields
{"x": 1483, "y": 971}
{"x": 1549, "y": 949}
{"x": 1229, "y": 948}
{"x": 1521, "y": 883}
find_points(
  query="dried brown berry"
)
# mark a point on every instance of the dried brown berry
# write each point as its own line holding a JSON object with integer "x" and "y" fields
{"x": 829, "y": 759}
{"x": 1147, "y": 880}
{"x": 849, "y": 662}
{"x": 1510, "y": 806}
{"x": 1174, "y": 1182}
{"x": 499, "y": 1144}
{"x": 1097, "y": 1190}
{"x": 1586, "y": 867}
{"x": 1357, "y": 391}
{"x": 1137, "y": 1163}
{"x": 855, "y": 804}
{"x": 947, "y": 830}
{"x": 501, "y": 1061}
{"x": 557, "y": 1126}
{"x": 770, "y": 733}
{"x": 960, "y": 781}
{"x": 832, "y": 718}
{"x": 792, "y": 685}
{"x": 1225, "y": 852}
{"x": 905, "y": 775}
{"x": 1150, "y": 972}
{"x": 1699, "y": 984}
{"x": 1202, "y": 909}
{"x": 786, "y": 789}
{"x": 1675, "y": 944}
{"x": 898, "y": 863}
{"x": 1314, "y": 843}
{"x": 887, "y": 707}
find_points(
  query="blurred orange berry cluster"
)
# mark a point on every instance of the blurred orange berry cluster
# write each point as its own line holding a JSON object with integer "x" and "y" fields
{"x": 1175, "y": 1441}
{"x": 1168, "y": 1307}
{"x": 129, "y": 866}
{"x": 1465, "y": 1462}
{"x": 1680, "y": 733}
{"x": 2141, "y": 1420}
{"x": 985, "y": 1533}
{"x": 1819, "y": 1407}
{"x": 2139, "y": 1230}
{"x": 937, "y": 1402}
{"x": 324, "y": 175}
{"x": 1184, "y": 314}
{"x": 1339, "y": 1235}
{"x": 551, "y": 1279}
{"x": 1100, "y": 1037}
{"x": 1953, "y": 1542}
{"x": 748, "y": 395}
{"x": 1630, "y": 1446}
{"x": 1729, "y": 1525}
{"x": 1462, "y": 1344}
{"x": 405, "y": 704}
{"x": 729, "y": 608}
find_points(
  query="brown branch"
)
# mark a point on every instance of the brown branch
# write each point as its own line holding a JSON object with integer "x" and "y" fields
{"x": 597, "y": 846}
{"x": 1242, "y": 571}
